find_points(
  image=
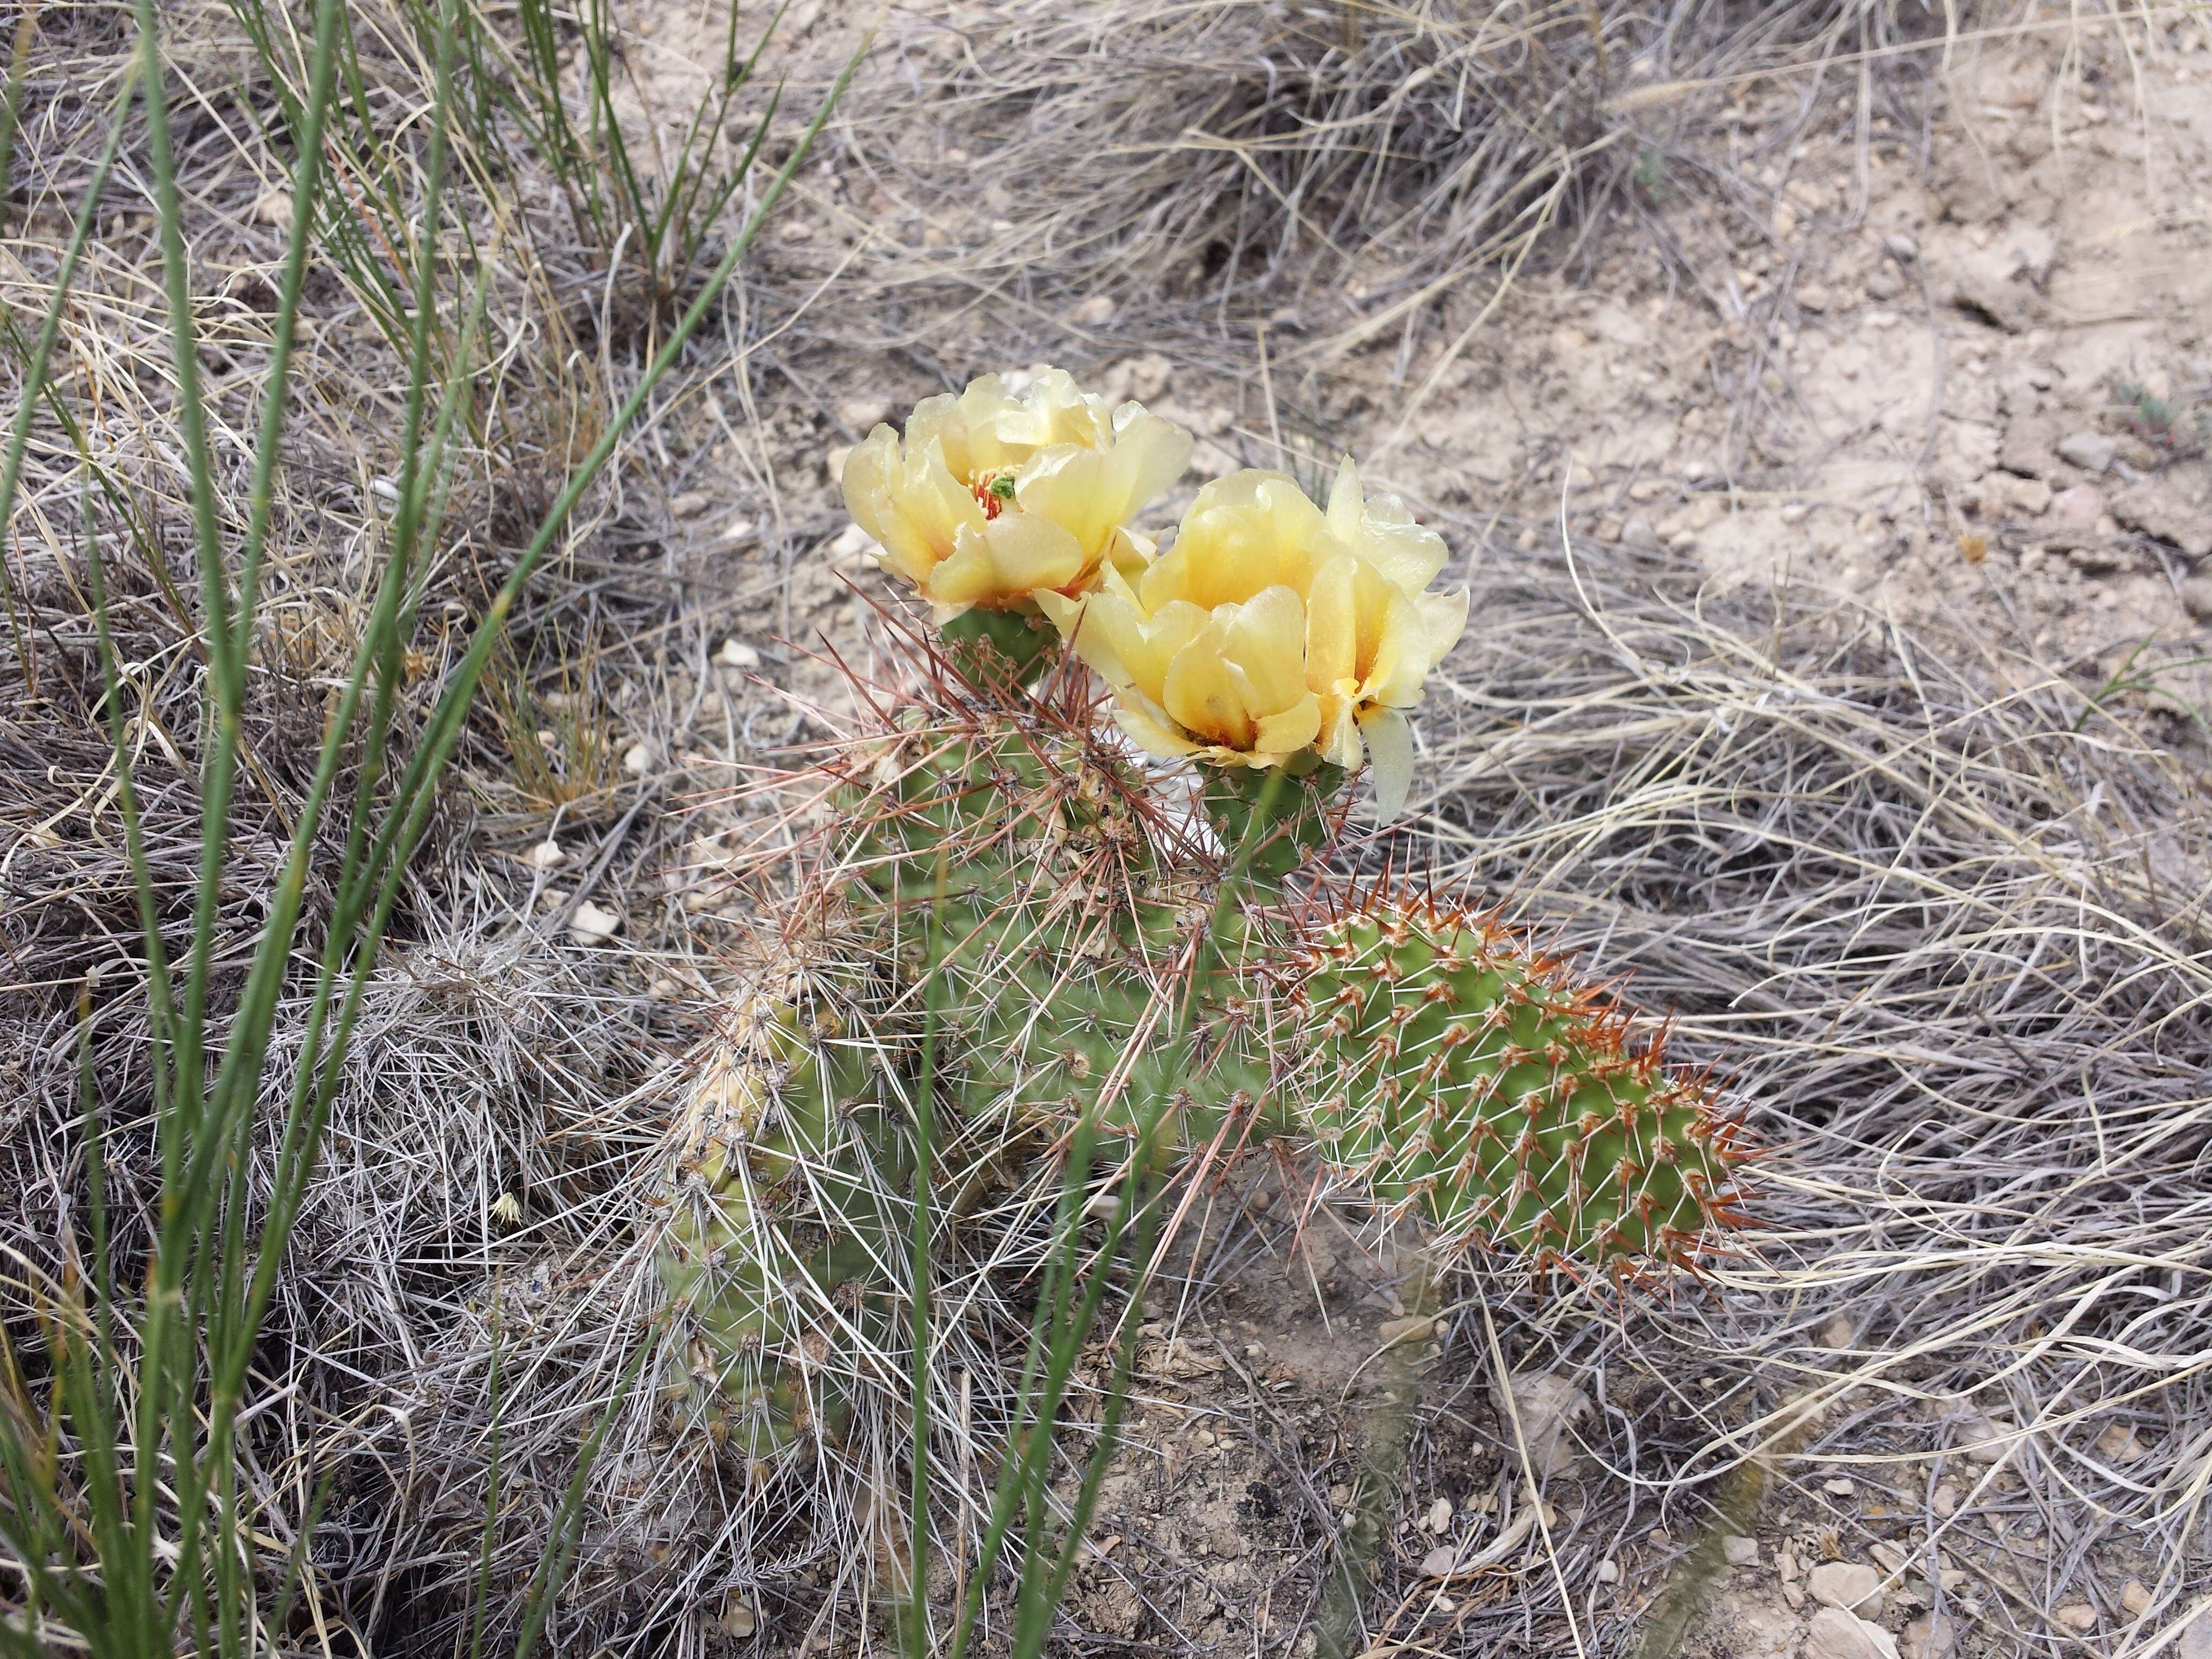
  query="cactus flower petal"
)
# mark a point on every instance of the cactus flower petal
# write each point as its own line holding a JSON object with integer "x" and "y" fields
{"x": 1318, "y": 629}
{"x": 1013, "y": 556}
{"x": 994, "y": 497}
{"x": 1391, "y": 741}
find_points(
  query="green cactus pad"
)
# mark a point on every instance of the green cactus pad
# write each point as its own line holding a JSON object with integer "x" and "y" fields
{"x": 1464, "y": 1077}
{"x": 796, "y": 1145}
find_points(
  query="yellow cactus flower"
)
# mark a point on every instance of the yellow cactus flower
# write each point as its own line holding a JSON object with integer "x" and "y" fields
{"x": 1225, "y": 683}
{"x": 995, "y": 496}
{"x": 1374, "y": 632}
{"x": 1369, "y": 632}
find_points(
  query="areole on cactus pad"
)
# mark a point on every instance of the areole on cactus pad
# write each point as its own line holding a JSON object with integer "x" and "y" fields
{"x": 1103, "y": 943}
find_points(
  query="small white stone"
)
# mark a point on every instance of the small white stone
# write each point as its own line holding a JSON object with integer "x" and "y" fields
{"x": 1608, "y": 1571}
{"x": 862, "y": 414}
{"x": 1096, "y": 311}
{"x": 1547, "y": 1408}
{"x": 1944, "y": 1501}
{"x": 1852, "y": 1585}
{"x": 738, "y": 1619}
{"x": 592, "y": 926}
{"x": 1741, "y": 1552}
{"x": 688, "y": 505}
{"x": 1838, "y": 1333}
{"x": 1901, "y": 246}
{"x": 546, "y": 855}
{"x": 638, "y": 759}
{"x": 274, "y": 207}
{"x": 1840, "y": 1487}
{"x": 2092, "y": 452}
{"x": 1933, "y": 1636}
{"x": 1984, "y": 1439}
{"x": 2118, "y": 1443}
{"x": 736, "y": 653}
{"x": 1439, "y": 1562}
{"x": 1833, "y": 1633}
{"x": 2077, "y": 1616}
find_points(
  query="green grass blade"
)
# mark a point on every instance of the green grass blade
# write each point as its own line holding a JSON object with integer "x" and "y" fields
{"x": 225, "y": 682}
{"x": 914, "y": 1608}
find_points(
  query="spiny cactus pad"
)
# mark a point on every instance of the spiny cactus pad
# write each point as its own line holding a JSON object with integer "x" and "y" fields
{"x": 783, "y": 1244}
{"x": 1508, "y": 1102}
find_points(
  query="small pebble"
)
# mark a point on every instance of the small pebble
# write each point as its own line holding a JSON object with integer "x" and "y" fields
{"x": 2092, "y": 452}
{"x": 688, "y": 505}
{"x": 546, "y": 855}
{"x": 1741, "y": 1552}
{"x": 1902, "y": 248}
{"x": 1944, "y": 1501}
{"x": 1608, "y": 1571}
{"x": 2077, "y": 1616}
{"x": 2118, "y": 1443}
{"x": 1838, "y": 1488}
{"x": 1832, "y": 1633}
{"x": 1852, "y": 1585}
{"x": 736, "y": 653}
{"x": 592, "y": 926}
{"x": 637, "y": 759}
{"x": 2135, "y": 1598}
{"x": 849, "y": 552}
{"x": 1933, "y": 1636}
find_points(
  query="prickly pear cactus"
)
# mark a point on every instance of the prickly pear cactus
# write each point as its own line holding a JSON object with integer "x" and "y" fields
{"x": 1507, "y": 1103}
{"x": 796, "y": 1148}
{"x": 1094, "y": 942}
